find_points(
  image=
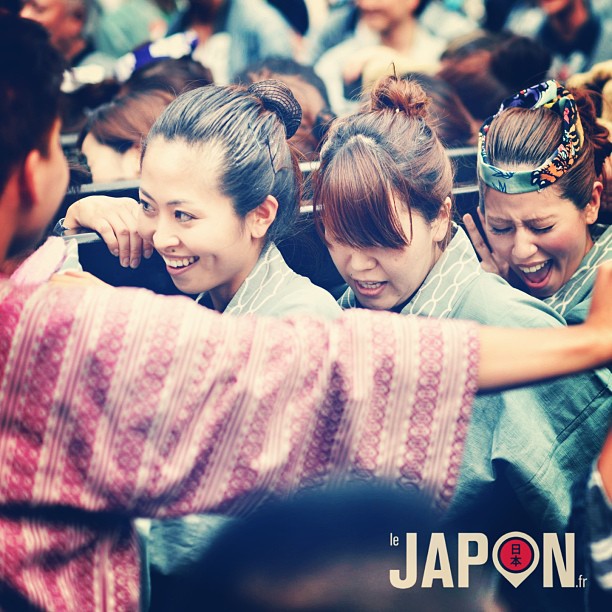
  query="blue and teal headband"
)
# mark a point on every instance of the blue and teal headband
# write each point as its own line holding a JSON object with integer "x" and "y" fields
{"x": 549, "y": 94}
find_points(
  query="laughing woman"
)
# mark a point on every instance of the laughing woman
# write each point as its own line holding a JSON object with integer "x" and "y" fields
{"x": 382, "y": 195}
{"x": 540, "y": 167}
{"x": 218, "y": 187}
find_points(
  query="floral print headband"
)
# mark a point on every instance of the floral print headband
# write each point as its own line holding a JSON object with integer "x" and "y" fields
{"x": 549, "y": 94}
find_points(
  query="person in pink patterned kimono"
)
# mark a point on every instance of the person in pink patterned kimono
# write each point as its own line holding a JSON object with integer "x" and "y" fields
{"x": 117, "y": 403}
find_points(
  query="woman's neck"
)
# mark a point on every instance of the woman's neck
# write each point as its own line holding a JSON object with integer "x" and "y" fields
{"x": 401, "y": 37}
{"x": 589, "y": 240}
{"x": 222, "y": 295}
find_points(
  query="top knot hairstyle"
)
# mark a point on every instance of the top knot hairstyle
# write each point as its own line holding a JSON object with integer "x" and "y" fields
{"x": 385, "y": 155}
{"x": 278, "y": 98}
{"x": 251, "y": 127}
{"x": 400, "y": 95}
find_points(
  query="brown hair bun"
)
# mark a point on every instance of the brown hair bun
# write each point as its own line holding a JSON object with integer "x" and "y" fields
{"x": 399, "y": 95}
{"x": 595, "y": 131}
{"x": 279, "y": 99}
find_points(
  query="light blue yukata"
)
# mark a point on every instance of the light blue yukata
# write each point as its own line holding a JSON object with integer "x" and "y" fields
{"x": 572, "y": 301}
{"x": 527, "y": 449}
{"x": 273, "y": 289}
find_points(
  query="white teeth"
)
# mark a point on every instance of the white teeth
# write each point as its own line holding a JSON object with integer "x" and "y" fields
{"x": 531, "y": 269}
{"x": 369, "y": 285}
{"x": 179, "y": 263}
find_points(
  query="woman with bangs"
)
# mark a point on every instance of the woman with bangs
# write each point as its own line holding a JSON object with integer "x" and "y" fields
{"x": 383, "y": 198}
{"x": 393, "y": 239}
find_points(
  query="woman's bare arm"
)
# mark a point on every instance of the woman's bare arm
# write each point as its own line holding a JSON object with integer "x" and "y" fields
{"x": 115, "y": 219}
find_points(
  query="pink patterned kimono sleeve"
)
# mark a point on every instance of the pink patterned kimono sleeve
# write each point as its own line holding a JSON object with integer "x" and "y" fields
{"x": 118, "y": 403}
{"x": 125, "y": 401}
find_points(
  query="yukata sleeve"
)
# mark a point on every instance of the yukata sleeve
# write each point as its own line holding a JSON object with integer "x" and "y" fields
{"x": 122, "y": 401}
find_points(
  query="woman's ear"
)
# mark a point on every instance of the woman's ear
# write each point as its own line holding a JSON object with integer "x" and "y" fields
{"x": 29, "y": 188}
{"x": 591, "y": 210}
{"x": 130, "y": 163}
{"x": 261, "y": 218}
{"x": 442, "y": 222}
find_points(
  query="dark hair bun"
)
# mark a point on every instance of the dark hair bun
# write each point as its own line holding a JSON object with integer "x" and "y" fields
{"x": 279, "y": 99}
{"x": 399, "y": 95}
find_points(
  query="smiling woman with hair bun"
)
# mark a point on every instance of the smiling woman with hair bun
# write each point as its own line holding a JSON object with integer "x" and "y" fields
{"x": 217, "y": 189}
{"x": 219, "y": 185}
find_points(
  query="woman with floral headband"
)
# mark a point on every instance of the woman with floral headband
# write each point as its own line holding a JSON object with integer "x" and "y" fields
{"x": 540, "y": 171}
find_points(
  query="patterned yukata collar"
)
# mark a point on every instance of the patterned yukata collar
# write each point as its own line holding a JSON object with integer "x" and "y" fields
{"x": 457, "y": 267}
{"x": 554, "y": 96}
{"x": 261, "y": 285}
{"x": 579, "y": 286}
{"x": 436, "y": 297}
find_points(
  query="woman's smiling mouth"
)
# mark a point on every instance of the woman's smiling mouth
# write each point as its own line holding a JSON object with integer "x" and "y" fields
{"x": 176, "y": 265}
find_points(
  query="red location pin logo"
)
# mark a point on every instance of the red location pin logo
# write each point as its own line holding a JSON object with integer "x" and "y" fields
{"x": 516, "y": 555}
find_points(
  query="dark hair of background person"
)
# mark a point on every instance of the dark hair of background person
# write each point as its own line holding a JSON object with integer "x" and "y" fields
{"x": 478, "y": 40}
{"x": 316, "y": 116}
{"x": 30, "y": 90}
{"x": 124, "y": 122}
{"x": 203, "y": 12}
{"x": 295, "y": 12}
{"x": 174, "y": 75}
{"x": 167, "y": 6}
{"x": 496, "y": 13}
{"x": 284, "y": 66}
{"x": 484, "y": 76}
{"x": 372, "y": 159}
{"x": 10, "y": 6}
{"x": 528, "y": 137}
{"x": 75, "y": 106}
{"x": 257, "y": 159}
{"x": 421, "y": 7}
{"x": 446, "y": 113}
{"x": 325, "y": 551}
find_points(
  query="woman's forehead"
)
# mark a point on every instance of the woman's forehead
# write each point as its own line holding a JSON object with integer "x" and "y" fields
{"x": 180, "y": 166}
{"x": 527, "y": 206}
{"x": 198, "y": 159}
